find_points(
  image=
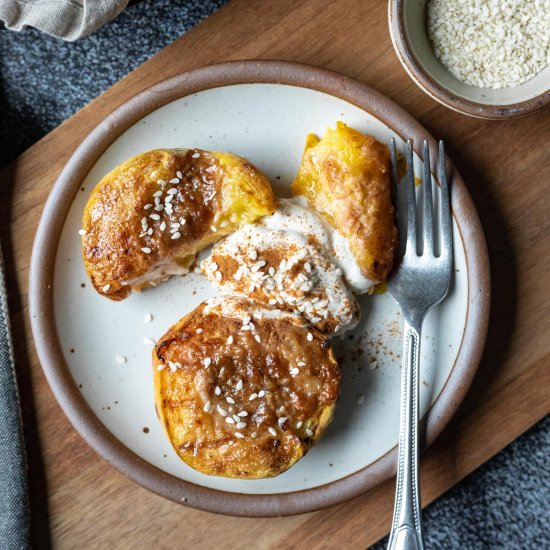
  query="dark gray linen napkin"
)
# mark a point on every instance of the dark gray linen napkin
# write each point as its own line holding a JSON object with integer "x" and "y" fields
{"x": 14, "y": 502}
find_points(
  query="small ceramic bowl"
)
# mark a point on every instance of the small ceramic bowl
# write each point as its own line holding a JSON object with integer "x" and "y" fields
{"x": 407, "y": 21}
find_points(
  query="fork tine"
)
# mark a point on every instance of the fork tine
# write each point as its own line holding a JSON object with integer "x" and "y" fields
{"x": 446, "y": 220}
{"x": 393, "y": 171}
{"x": 411, "y": 202}
{"x": 428, "y": 247}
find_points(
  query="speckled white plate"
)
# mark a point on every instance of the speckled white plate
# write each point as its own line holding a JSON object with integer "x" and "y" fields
{"x": 266, "y": 122}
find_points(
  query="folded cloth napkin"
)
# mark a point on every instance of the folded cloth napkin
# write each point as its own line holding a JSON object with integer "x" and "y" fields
{"x": 66, "y": 19}
{"x": 14, "y": 504}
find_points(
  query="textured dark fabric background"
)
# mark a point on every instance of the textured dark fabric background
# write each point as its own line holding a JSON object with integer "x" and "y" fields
{"x": 503, "y": 505}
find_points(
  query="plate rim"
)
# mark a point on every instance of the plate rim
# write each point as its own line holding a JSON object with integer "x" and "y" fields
{"x": 41, "y": 308}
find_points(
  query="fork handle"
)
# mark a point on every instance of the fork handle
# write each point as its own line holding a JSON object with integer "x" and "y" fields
{"x": 406, "y": 532}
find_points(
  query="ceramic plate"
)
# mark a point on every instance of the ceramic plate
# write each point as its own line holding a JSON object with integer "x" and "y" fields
{"x": 262, "y": 111}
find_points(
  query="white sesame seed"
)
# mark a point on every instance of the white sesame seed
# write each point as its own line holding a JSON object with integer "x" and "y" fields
{"x": 309, "y": 337}
{"x": 214, "y": 266}
{"x": 299, "y": 424}
{"x": 282, "y": 420}
{"x": 218, "y": 275}
{"x": 213, "y": 228}
{"x": 252, "y": 287}
{"x": 272, "y": 302}
{"x": 245, "y": 327}
{"x": 195, "y": 155}
{"x": 242, "y": 414}
{"x": 230, "y": 340}
{"x": 106, "y": 288}
{"x": 159, "y": 208}
{"x": 253, "y": 254}
{"x": 155, "y": 217}
{"x": 174, "y": 180}
{"x": 239, "y": 385}
{"x": 239, "y": 435}
{"x": 206, "y": 407}
{"x": 230, "y": 400}
{"x": 229, "y": 420}
{"x": 360, "y": 399}
{"x": 272, "y": 430}
{"x": 261, "y": 393}
{"x": 161, "y": 182}
{"x": 199, "y": 331}
{"x": 253, "y": 396}
{"x": 241, "y": 425}
{"x": 207, "y": 362}
{"x": 301, "y": 364}
{"x": 307, "y": 267}
{"x": 254, "y": 435}
{"x": 224, "y": 223}
{"x": 176, "y": 236}
{"x": 147, "y": 206}
{"x": 236, "y": 418}
{"x": 221, "y": 410}
{"x": 148, "y": 318}
{"x": 82, "y": 232}
{"x": 217, "y": 390}
{"x": 257, "y": 315}
{"x": 148, "y": 341}
{"x": 121, "y": 359}
{"x": 309, "y": 432}
{"x": 162, "y": 226}
{"x": 161, "y": 366}
{"x": 294, "y": 371}
{"x": 258, "y": 339}
{"x": 179, "y": 174}
{"x": 146, "y": 250}
{"x": 183, "y": 221}
{"x": 373, "y": 365}
{"x": 150, "y": 231}
{"x": 172, "y": 191}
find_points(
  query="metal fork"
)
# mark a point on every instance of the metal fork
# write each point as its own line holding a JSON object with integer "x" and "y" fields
{"x": 420, "y": 281}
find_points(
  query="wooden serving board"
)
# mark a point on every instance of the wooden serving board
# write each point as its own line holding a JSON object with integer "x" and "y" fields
{"x": 80, "y": 501}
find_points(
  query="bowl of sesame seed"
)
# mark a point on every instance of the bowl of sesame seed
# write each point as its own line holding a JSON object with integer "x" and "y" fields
{"x": 484, "y": 58}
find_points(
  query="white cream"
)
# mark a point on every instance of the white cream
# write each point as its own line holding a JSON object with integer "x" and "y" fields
{"x": 295, "y": 215}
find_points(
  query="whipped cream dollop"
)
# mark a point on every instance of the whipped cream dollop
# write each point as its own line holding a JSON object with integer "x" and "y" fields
{"x": 292, "y": 260}
{"x": 295, "y": 215}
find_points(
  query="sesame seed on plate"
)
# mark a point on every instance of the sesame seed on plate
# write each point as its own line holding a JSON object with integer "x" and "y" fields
{"x": 373, "y": 365}
{"x": 239, "y": 435}
{"x": 271, "y": 430}
{"x": 148, "y": 318}
{"x": 229, "y": 420}
{"x": 148, "y": 341}
{"x": 206, "y": 407}
{"x": 309, "y": 337}
{"x": 241, "y": 425}
{"x": 121, "y": 359}
{"x": 239, "y": 385}
{"x": 207, "y": 362}
{"x": 146, "y": 250}
{"x": 230, "y": 400}
{"x": 253, "y": 396}
{"x": 360, "y": 399}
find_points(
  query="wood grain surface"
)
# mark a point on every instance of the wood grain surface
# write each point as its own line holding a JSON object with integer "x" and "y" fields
{"x": 79, "y": 501}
